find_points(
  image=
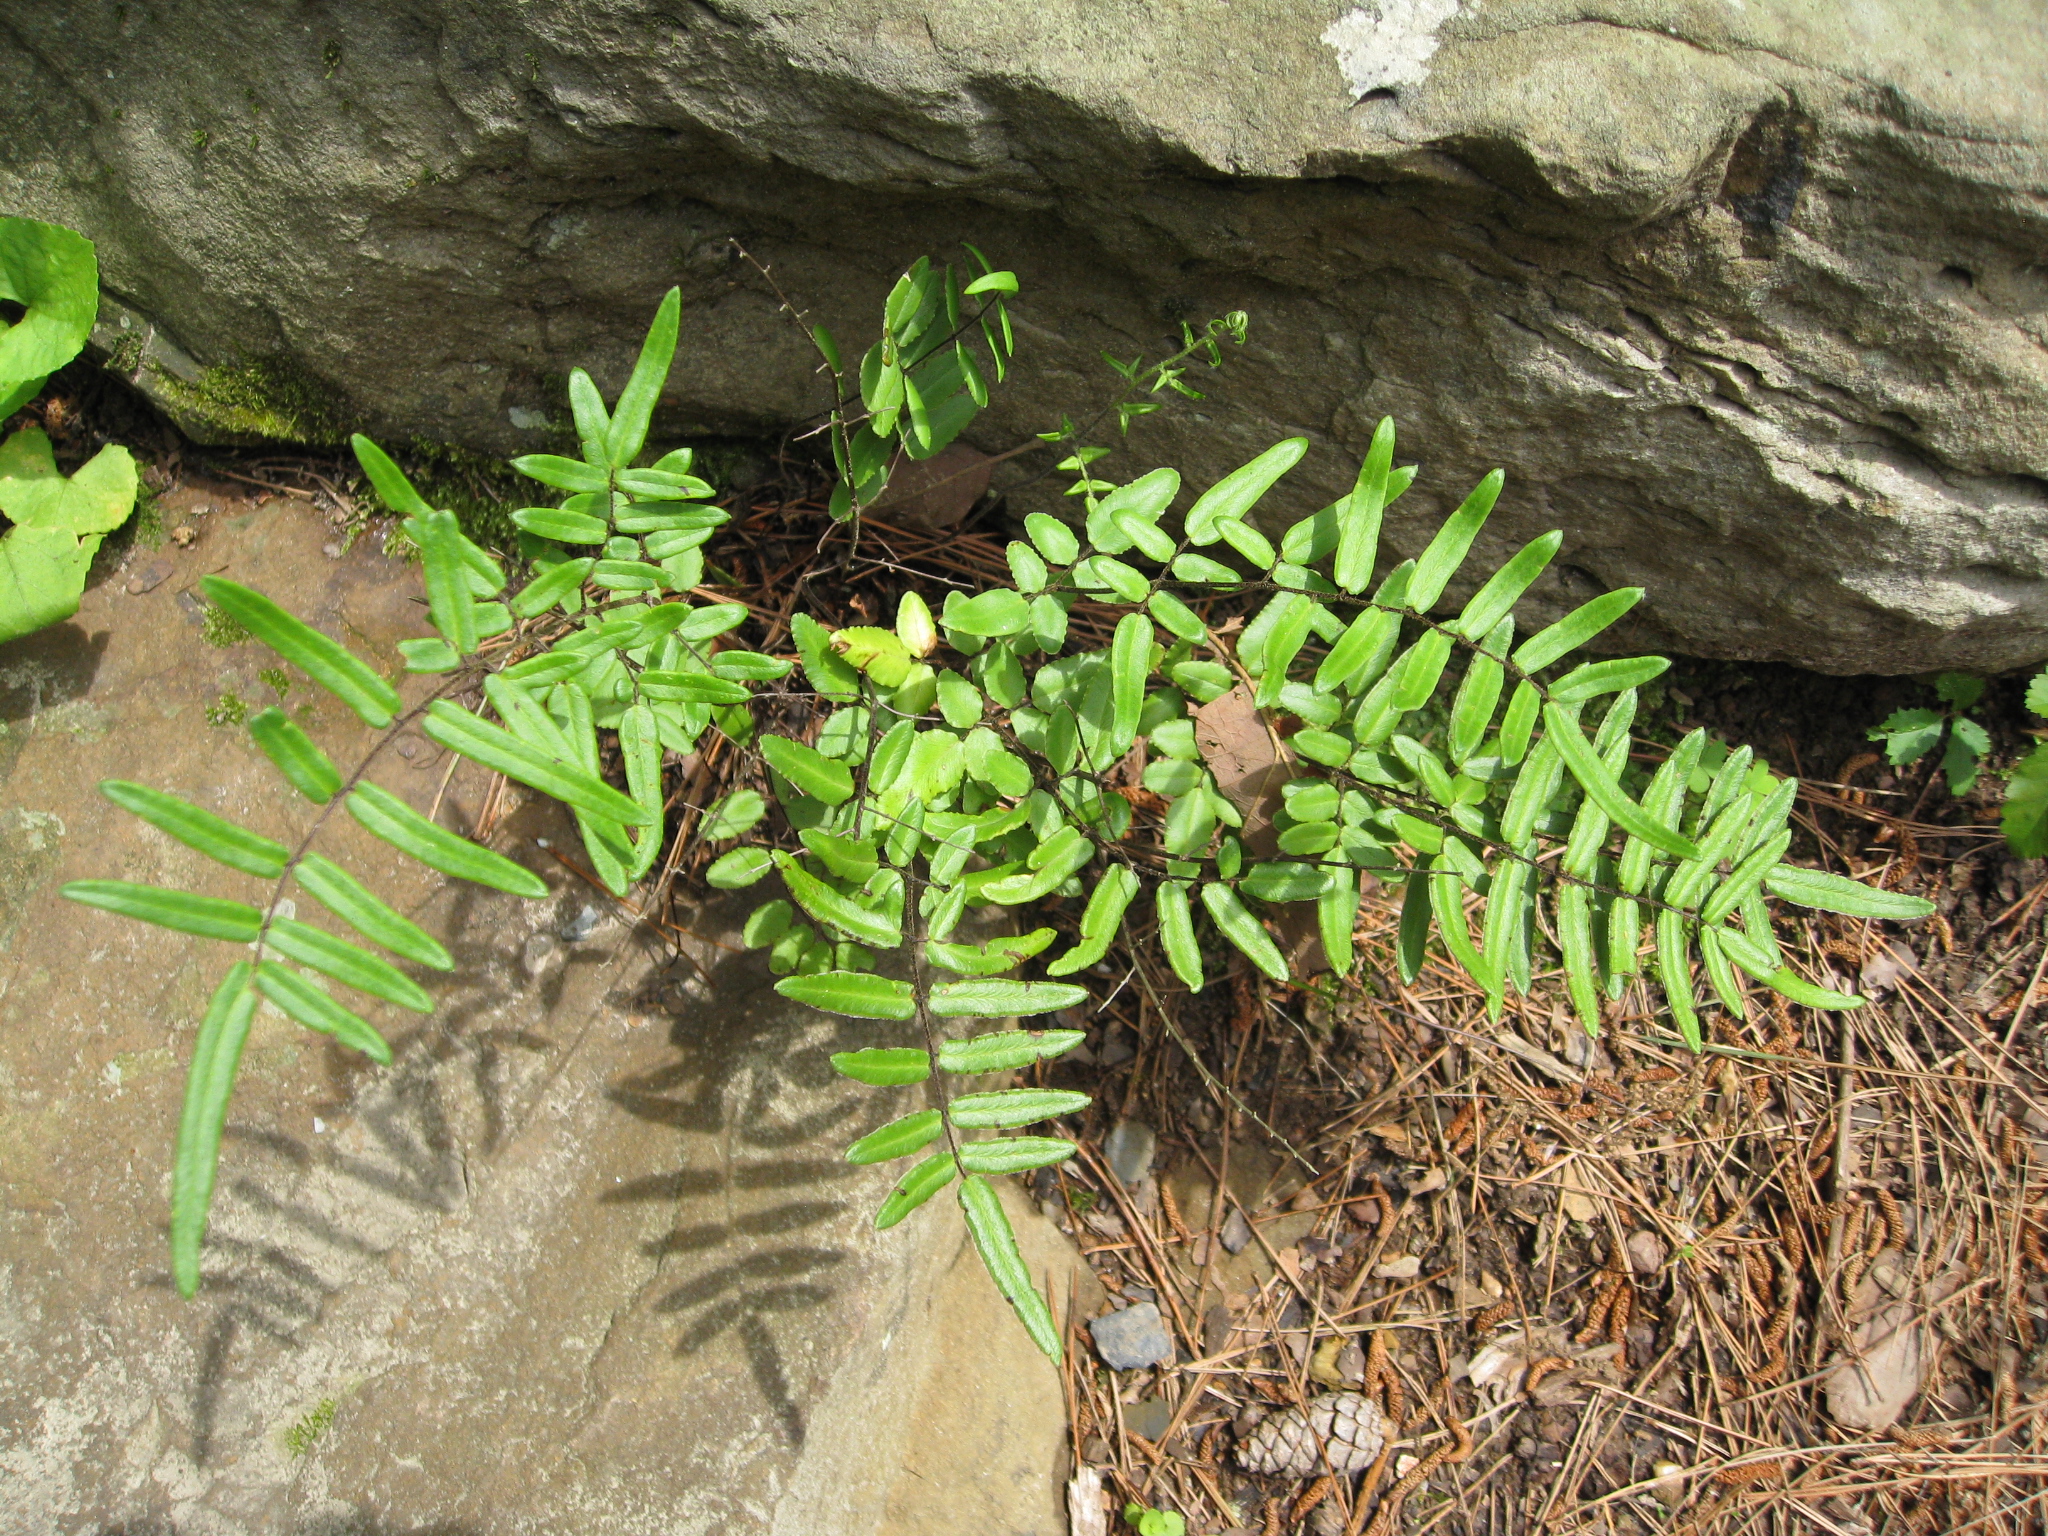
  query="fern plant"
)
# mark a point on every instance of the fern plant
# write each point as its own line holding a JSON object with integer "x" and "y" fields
{"x": 968, "y": 759}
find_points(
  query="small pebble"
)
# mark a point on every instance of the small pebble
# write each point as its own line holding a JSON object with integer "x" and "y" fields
{"x": 1405, "y": 1267}
{"x": 582, "y": 925}
{"x": 1645, "y": 1252}
{"x": 149, "y": 578}
{"x": 1130, "y": 1148}
{"x": 1132, "y": 1339}
{"x": 1236, "y": 1235}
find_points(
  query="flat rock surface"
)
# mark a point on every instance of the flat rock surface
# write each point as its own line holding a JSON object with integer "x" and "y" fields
{"x": 1746, "y": 298}
{"x": 585, "y": 1259}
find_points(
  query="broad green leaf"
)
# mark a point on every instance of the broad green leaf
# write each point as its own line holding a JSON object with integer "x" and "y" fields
{"x": 1201, "y": 568}
{"x": 1359, "y": 514}
{"x": 991, "y": 959}
{"x": 390, "y": 481}
{"x": 1575, "y": 941}
{"x": 1106, "y": 905}
{"x": 430, "y": 654}
{"x": 991, "y": 614}
{"x": 1416, "y": 911}
{"x": 1472, "y": 709}
{"x": 346, "y": 963}
{"x": 1585, "y": 765}
{"x": 214, "y": 836}
{"x": 636, "y": 401}
{"x": 828, "y": 906}
{"x": 1337, "y": 917}
{"x": 849, "y": 858}
{"x": 1446, "y": 895}
{"x": 1720, "y": 974}
{"x": 997, "y": 1245}
{"x": 2024, "y": 815}
{"x": 915, "y": 1187}
{"x": 881, "y": 1068}
{"x": 1243, "y": 930}
{"x": 733, "y": 815}
{"x": 1361, "y": 653}
{"x": 691, "y": 688}
{"x": 1438, "y": 563}
{"x": 856, "y": 994}
{"x": 1055, "y": 540}
{"x": 1014, "y": 1106}
{"x": 550, "y": 587}
{"x": 1130, "y": 661}
{"x": 738, "y": 869}
{"x": 53, "y": 273}
{"x": 1281, "y": 644}
{"x": 808, "y": 769}
{"x": 989, "y": 998}
{"x": 1416, "y": 674}
{"x": 1247, "y": 541}
{"x": 1284, "y": 882}
{"x": 563, "y": 527}
{"x": 42, "y": 577}
{"x": 593, "y": 421}
{"x": 1008, "y": 1050}
{"x": 457, "y": 729}
{"x": 209, "y": 917}
{"x": 1745, "y": 877}
{"x": 767, "y": 923}
{"x": 1230, "y": 498}
{"x": 306, "y": 1002}
{"x": 1014, "y": 1154}
{"x": 34, "y": 493}
{"x": 216, "y": 1056}
{"x": 308, "y": 769}
{"x": 1575, "y": 628}
{"x": 1496, "y": 599}
{"x": 388, "y": 817}
{"x": 1177, "y": 933}
{"x": 1176, "y": 616}
{"x": 1690, "y": 880}
{"x": 1598, "y": 677}
{"x": 561, "y": 473}
{"x": 450, "y": 603}
{"x": 898, "y": 1138}
{"x": 1519, "y": 721}
{"x": 345, "y": 896}
{"x": 327, "y": 663}
{"x": 1837, "y": 893}
{"x": 1675, "y": 971}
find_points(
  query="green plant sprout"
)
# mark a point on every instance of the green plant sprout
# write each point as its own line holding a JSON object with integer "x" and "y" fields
{"x": 1910, "y": 735}
{"x": 57, "y": 522}
{"x": 1154, "y": 1522}
{"x": 964, "y": 759}
{"x": 2024, "y": 816}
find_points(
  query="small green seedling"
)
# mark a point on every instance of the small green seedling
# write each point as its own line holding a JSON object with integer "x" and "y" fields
{"x": 1154, "y": 1522}
{"x": 1909, "y": 735}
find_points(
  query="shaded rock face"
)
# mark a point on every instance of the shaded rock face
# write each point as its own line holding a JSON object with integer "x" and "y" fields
{"x": 585, "y": 1258}
{"x": 1748, "y": 299}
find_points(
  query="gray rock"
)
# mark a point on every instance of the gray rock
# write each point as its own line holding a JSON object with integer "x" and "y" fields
{"x": 1744, "y": 298}
{"x": 1131, "y": 1339}
{"x": 1130, "y": 1148}
{"x": 1236, "y": 1235}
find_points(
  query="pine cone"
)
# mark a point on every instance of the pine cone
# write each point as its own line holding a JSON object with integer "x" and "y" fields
{"x": 1351, "y": 1427}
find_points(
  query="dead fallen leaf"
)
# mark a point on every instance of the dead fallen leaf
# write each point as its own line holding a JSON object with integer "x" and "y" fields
{"x": 935, "y": 492}
{"x": 1575, "y": 1195}
{"x": 1404, "y": 1266}
{"x": 1392, "y": 1132}
{"x": 1242, "y": 752}
{"x": 1886, "y": 1363}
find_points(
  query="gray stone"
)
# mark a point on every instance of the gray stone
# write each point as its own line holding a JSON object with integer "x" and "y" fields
{"x": 585, "y": 1258}
{"x": 1236, "y": 1235}
{"x": 1130, "y": 1148}
{"x": 1745, "y": 298}
{"x": 1131, "y": 1339}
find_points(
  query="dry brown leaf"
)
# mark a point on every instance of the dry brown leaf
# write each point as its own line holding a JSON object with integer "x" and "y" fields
{"x": 1889, "y": 1351}
{"x": 935, "y": 492}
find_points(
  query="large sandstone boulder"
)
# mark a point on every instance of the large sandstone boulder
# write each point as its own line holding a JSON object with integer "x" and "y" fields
{"x": 1746, "y": 295}
{"x": 584, "y": 1261}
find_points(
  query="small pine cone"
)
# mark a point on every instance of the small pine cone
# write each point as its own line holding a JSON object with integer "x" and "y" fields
{"x": 1351, "y": 1426}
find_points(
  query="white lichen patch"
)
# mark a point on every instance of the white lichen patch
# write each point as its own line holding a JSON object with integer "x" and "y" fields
{"x": 1385, "y": 44}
